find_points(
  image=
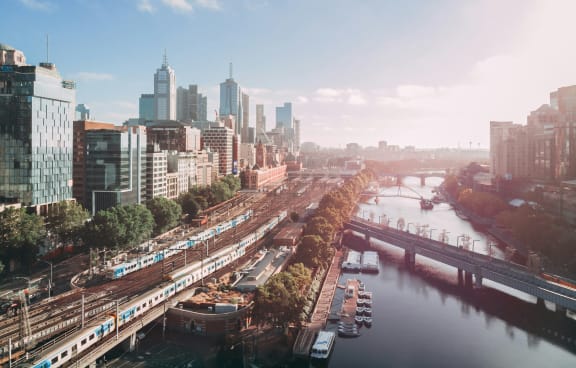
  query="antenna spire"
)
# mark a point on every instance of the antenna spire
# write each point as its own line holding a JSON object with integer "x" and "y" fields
{"x": 165, "y": 59}
{"x": 230, "y": 70}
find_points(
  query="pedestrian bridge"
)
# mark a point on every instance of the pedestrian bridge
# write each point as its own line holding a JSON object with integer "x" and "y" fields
{"x": 469, "y": 263}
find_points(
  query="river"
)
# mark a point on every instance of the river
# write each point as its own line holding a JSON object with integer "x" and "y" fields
{"x": 422, "y": 318}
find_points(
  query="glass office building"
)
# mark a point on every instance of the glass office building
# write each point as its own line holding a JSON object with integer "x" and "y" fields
{"x": 36, "y": 113}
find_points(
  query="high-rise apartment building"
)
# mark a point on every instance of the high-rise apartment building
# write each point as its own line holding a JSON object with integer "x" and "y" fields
{"x": 173, "y": 136}
{"x": 230, "y": 101}
{"x": 165, "y": 92}
{"x": 509, "y": 149}
{"x": 36, "y": 114}
{"x": 189, "y": 102}
{"x": 146, "y": 107}
{"x": 220, "y": 139}
{"x": 202, "y": 107}
{"x": 296, "y": 146}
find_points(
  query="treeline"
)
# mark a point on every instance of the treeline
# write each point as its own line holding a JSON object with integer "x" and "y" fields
{"x": 547, "y": 235}
{"x": 284, "y": 296}
{"x": 117, "y": 228}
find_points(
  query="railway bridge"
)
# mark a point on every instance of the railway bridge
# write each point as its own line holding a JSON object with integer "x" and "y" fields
{"x": 469, "y": 264}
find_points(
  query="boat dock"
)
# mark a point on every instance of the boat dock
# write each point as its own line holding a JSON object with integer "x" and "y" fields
{"x": 321, "y": 312}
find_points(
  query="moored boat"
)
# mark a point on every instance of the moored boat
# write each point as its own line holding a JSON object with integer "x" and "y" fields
{"x": 426, "y": 204}
{"x": 367, "y": 321}
{"x": 323, "y": 345}
{"x": 368, "y": 311}
{"x": 360, "y": 311}
{"x": 359, "y": 320}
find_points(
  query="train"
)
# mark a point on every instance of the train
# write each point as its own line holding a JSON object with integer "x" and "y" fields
{"x": 120, "y": 270}
{"x": 61, "y": 353}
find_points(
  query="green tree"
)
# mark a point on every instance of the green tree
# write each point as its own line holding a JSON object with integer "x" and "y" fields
{"x": 279, "y": 301}
{"x": 20, "y": 236}
{"x": 221, "y": 192}
{"x": 189, "y": 204}
{"x": 166, "y": 213}
{"x": 66, "y": 220}
{"x": 294, "y": 216}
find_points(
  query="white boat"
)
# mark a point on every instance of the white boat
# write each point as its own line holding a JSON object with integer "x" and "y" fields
{"x": 368, "y": 312}
{"x": 323, "y": 345}
{"x": 359, "y": 320}
{"x": 368, "y": 303}
{"x": 367, "y": 321}
{"x": 359, "y": 311}
{"x": 359, "y": 302}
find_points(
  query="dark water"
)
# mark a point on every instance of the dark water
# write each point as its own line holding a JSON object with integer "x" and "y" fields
{"x": 423, "y": 319}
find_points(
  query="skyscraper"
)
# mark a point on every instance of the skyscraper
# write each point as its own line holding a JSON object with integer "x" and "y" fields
{"x": 296, "y": 146}
{"x": 245, "y": 116}
{"x": 36, "y": 114}
{"x": 165, "y": 92}
{"x": 230, "y": 102}
{"x": 284, "y": 116}
{"x": 260, "y": 119}
{"x": 146, "y": 107}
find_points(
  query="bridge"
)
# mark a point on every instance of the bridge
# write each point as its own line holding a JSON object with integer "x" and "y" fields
{"x": 411, "y": 195}
{"x": 322, "y": 173}
{"x": 469, "y": 263}
{"x": 398, "y": 177}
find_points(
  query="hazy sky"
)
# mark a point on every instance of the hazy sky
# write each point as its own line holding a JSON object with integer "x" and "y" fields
{"x": 430, "y": 73}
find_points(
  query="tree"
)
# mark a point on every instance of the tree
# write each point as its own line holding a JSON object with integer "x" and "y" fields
{"x": 166, "y": 213}
{"x": 294, "y": 216}
{"x": 66, "y": 220}
{"x": 119, "y": 227}
{"x": 279, "y": 301}
{"x": 189, "y": 204}
{"x": 20, "y": 236}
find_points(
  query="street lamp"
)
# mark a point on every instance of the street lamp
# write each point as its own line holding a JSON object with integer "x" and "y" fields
{"x": 50, "y": 281}
{"x": 408, "y": 227}
{"x": 431, "y": 230}
{"x": 458, "y": 239}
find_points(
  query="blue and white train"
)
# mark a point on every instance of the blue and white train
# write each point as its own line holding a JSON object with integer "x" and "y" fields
{"x": 122, "y": 269}
{"x": 61, "y": 353}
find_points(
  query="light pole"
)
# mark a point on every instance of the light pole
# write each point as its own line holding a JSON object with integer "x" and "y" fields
{"x": 408, "y": 227}
{"x": 431, "y": 230}
{"x": 50, "y": 281}
{"x": 458, "y": 239}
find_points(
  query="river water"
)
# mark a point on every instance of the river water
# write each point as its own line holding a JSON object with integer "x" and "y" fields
{"x": 422, "y": 318}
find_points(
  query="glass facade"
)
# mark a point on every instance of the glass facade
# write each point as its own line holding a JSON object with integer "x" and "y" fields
{"x": 230, "y": 102}
{"x": 36, "y": 113}
{"x": 115, "y": 167}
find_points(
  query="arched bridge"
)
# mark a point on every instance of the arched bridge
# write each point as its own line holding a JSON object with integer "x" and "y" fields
{"x": 471, "y": 263}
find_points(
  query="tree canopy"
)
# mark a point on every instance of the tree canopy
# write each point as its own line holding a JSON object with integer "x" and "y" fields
{"x": 166, "y": 214}
{"x": 66, "y": 220}
{"x": 20, "y": 236}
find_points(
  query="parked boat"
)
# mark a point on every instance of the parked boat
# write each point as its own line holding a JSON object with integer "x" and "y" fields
{"x": 367, "y": 303}
{"x": 323, "y": 345}
{"x": 426, "y": 204}
{"x": 348, "y": 333}
{"x": 359, "y": 302}
{"x": 367, "y": 321}
{"x": 359, "y": 320}
{"x": 361, "y": 286}
{"x": 367, "y": 311}
{"x": 360, "y": 311}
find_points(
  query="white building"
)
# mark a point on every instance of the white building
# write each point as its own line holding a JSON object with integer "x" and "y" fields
{"x": 165, "y": 92}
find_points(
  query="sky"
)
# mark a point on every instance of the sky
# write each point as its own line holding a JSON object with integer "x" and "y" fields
{"x": 427, "y": 73}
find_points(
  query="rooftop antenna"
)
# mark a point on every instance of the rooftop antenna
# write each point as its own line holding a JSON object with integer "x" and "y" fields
{"x": 230, "y": 70}
{"x": 165, "y": 58}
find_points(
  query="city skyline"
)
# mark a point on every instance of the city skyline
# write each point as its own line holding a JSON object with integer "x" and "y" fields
{"x": 416, "y": 73}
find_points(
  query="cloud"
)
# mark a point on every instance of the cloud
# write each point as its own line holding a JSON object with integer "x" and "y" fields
{"x": 209, "y": 4}
{"x": 182, "y": 5}
{"x": 302, "y": 99}
{"x": 255, "y": 91}
{"x": 38, "y": 5}
{"x": 145, "y": 6}
{"x": 91, "y": 76}
{"x": 412, "y": 91}
{"x": 329, "y": 92}
{"x": 356, "y": 99}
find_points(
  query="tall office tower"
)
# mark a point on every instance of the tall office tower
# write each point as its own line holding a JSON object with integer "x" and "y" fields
{"x": 115, "y": 167}
{"x": 165, "y": 92}
{"x": 260, "y": 119}
{"x": 220, "y": 139}
{"x": 284, "y": 116}
{"x": 296, "y": 146}
{"x": 564, "y": 100}
{"x": 230, "y": 103}
{"x": 245, "y": 116}
{"x": 508, "y": 150}
{"x": 187, "y": 105}
{"x": 36, "y": 114}
{"x": 146, "y": 107}
{"x": 202, "y": 107}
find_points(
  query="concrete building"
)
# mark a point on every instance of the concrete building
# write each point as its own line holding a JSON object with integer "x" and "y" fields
{"x": 245, "y": 117}
{"x": 296, "y": 146}
{"x": 258, "y": 179}
{"x": 190, "y": 105}
{"x": 247, "y": 155}
{"x": 36, "y": 114}
{"x": 156, "y": 174}
{"x": 260, "y": 120}
{"x": 165, "y": 92}
{"x": 220, "y": 140}
{"x": 284, "y": 116}
{"x": 508, "y": 150}
{"x": 206, "y": 168}
{"x": 173, "y": 136}
{"x": 184, "y": 165}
